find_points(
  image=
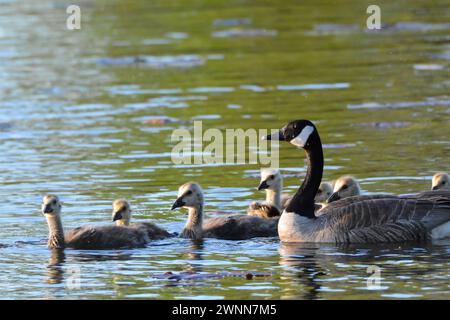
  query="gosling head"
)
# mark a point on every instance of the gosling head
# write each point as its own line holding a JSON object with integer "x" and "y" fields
{"x": 121, "y": 212}
{"x": 298, "y": 132}
{"x": 190, "y": 195}
{"x": 346, "y": 186}
{"x": 324, "y": 192}
{"x": 270, "y": 179}
{"x": 441, "y": 181}
{"x": 51, "y": 206}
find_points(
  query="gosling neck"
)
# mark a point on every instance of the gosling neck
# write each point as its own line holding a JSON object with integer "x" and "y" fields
{"x": 303, "y": 201}
{"x": 56, "y": 232}
{"x": 193, "y": 228}
{"x": 273, "y": 196}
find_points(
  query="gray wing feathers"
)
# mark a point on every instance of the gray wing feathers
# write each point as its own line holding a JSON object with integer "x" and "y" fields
{"x": 382, "y": 218}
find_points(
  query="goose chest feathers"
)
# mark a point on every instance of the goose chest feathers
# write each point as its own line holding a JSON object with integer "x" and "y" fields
{"x": 232, "y": 227}
{"x": 358, "y": 219}
{"x": 117, "y": 236}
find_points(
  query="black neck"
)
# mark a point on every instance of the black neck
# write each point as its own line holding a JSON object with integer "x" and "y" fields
{"x": 303, "y": 201}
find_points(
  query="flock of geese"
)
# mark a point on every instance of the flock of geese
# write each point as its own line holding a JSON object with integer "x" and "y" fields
{"x": 317, "y": 212}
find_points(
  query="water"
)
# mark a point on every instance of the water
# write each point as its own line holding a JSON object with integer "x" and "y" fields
{"x": 80, "y": 116}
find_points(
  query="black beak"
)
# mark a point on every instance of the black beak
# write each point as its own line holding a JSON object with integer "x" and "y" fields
{"x": 435, "y": 188}
{"x": 48, "y": 209}
{"x": 117, "y": 215}
{"x": 263, "y": 185}
{"x": 275, "y": 136}
{"x": 334, "y": 196}
{"x": 178, "y": 203}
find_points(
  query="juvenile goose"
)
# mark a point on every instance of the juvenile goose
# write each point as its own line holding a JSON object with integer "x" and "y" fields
{"x": 122, "y": 215}
{"x": 440, "y": 181}
{"x": 359, "y": 219}
{"x": 345, "y": 186}
{"x": 272, "y": 182}
{"x": 233, "y": 227}
{"x": 89, "y": 237}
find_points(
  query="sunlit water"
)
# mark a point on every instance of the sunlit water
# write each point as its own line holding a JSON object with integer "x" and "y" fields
{"x": 77, "y": 118}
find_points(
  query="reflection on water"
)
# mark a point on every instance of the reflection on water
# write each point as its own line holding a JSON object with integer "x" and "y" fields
{"x": 88, "y": 115}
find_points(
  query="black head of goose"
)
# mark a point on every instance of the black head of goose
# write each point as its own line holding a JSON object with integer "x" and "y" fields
{"x": 232, "y": 227}
{"x": 440, "y": 181}
{"x": 359, "y": 219}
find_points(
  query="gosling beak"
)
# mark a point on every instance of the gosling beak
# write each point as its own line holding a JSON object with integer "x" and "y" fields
{"x": 178, "y": 203}
{"x": 48, "y": 209}
{"x": 275, "y": 136}
{"x": 263, "y": 185}
{"x": 335, "y": 196}
{"x": 117, "y": 215}
{"x": 435, "y": 188}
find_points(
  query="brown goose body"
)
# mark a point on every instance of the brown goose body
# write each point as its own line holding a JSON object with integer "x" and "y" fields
{"x": 114, "y": 237}
{"x": 231, "y": 227}
{"x": 107, "y": 237}
{"x": 263, "y": 210}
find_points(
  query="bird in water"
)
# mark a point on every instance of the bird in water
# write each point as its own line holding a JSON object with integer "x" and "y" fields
{"x": 232, "y": 227}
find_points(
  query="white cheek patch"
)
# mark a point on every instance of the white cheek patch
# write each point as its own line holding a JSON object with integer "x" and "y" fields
{"x": 302, "y": 138}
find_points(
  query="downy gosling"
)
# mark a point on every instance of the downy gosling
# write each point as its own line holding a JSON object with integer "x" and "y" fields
{"x": 344, "y": 187}
{"x": 232, "y": 227}
{"x": 440, "y": 181}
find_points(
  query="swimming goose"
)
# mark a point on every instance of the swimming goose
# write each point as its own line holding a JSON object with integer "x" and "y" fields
{"x": 441, "y": 181}
{"x": 122, "y": 215}
{"x": 272, "y": 182}
{"x": 345, "y": 186}
{"x": 232, "y": 227}
{"x": 359, "y": 219}
{"x": 89, "y": 237}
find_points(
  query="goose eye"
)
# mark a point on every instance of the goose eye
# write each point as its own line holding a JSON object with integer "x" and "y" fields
{"x": 344, "y": 187}
{"x": 54, "y": 202}
{"x": 319, "y": 191}
{"x": 271, "y": 177}
{"x": 189, "y": 192}
{"x": 443, "y": 182}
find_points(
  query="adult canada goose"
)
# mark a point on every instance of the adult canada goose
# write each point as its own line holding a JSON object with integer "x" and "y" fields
{"x": 359, "y": 219}
{"x": 89, "y": 237}
{"x": 345, "y": 186}
{"x": 232, "y": 227}
{"x": 440, "y": 181}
